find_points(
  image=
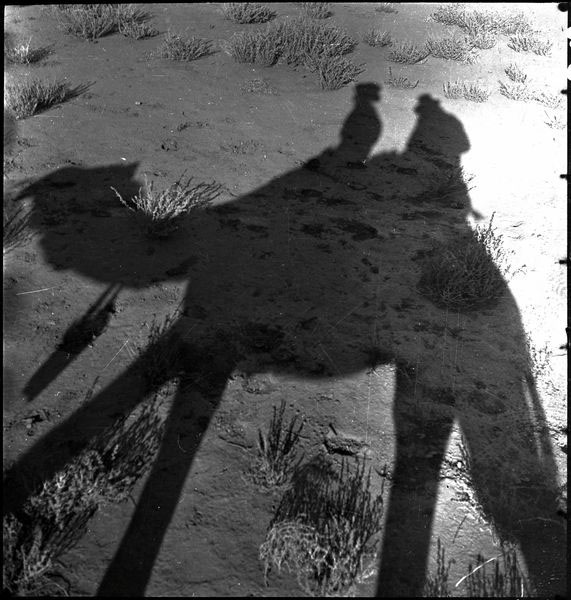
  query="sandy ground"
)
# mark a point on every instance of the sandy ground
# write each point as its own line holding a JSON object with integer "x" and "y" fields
{"x": 283, "y": 286}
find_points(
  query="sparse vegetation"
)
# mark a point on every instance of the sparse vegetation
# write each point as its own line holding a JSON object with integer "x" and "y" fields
{"x": 377, "y": 38}
{"x": 546, "y": 98}
{"x": 55, "y": 518}
{"x": 475, "y": 22}
{"x": 277, "y": 450}
{"x": 505, "y": 581}
{"x": 400, "y": 81}
{"x": 163, "y": 212}
{"x": 15, "y": 230}
{"x": 247, "y": 12}
{"x": 467, "y": 274}
{"x": 93, "y": 21}
{"x": 528, "y": 41}
{"x": 467, "y": 90}
{"x": 515, "y": 91}
{"x": 324, "y": 529}
{"x": 482, "y": 40}
{"x": 299, "y": 42}
{"x": 161, "y": 357}
{"x": 436, "y": 586}
{"x": 30, "y": 97}
{"x": 175, "y": 47}
{"x": 24, "y": 54}
{"x": 386, "y": 7}
{"x": 137, "y": 31}
{"x": 336, "y": 71}
{"x": 514, "y": 73}
{"x": 315, "y": 10}
{"x": 407, "y": 53}
{"x": 452, "y": 48}
{"x": 257, "y": 86}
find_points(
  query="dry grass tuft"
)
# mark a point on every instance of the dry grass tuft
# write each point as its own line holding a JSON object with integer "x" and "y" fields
{"x": 247, "y": 12}
{"x": 315, "y": 10}
{"x": 528, "y": 41}
{"x": 163, "y": 212}
{"x": 456, "y": 48}
{"x": 23, "y": 53}
{"x": 324, "y": 529}
{"x": 377, "y": 38}
{"x": 466, "y": 90}
{"x": 400, "y": 82}
{"x": 175, "y": 47}
{"x": 408, "y": 53}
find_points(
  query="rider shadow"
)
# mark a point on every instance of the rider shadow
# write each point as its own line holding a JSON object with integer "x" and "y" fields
{"x": 261, "y": 298}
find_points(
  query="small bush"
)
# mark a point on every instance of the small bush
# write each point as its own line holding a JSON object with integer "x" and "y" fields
{"x": 34, "y": 96}
{"x": 407, "y": 53}
{"x": 315, "y": 10}
{"x": 400, "y": 81}
{"x": 465, "y": 89}
{"x": 323, "y": 529}
{"x": 467, "y": 274}
{"x": 505, "y": 581}
{"x": 436, "y": 586}
{"x": 277, "y": 453}
{"x": 175, "y": 47}
{"x": 160, "y": 359}
{"x": 452, "y": 48}
{"x": 24, "y": 54}
{"x": 515, "y": 73}
{"x": 137, "y": 31}
{"x": 92, "y": 21}
{"x": 162, "y": 213}
{"x": 247, "y": 12}
{"x": 55, "y": 518}
{"x": 386, "y": 7}
{"x": 482, "y": 40}
{"x": 15, "y": 231}
{"x": 546, "y": 98}
{"x": 527, "y": 41}
{"x": 515, "y": 91}
{"x": 377, "y": 38}
{"x": 253, "y": 47}
{"x": 336, "y": 71}
{"x": 451, "y": 13}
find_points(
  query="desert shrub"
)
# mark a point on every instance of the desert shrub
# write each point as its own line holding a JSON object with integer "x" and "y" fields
{"x": 247, "y": 12}
{"x": 253, "y": 47}
{"x": 386, "y": 7}
{"x": 175, "y": 47}
{"x": 24, "y": 54}
{"x": 399, "y": 81}
{"x": 483, "y": 40}
{"x": 515, "y": 91}
{"x": 452, "y": 48}
{"x": 324, "y": 527}
{"x": 407, "y": 53}
{"x": 436, "y": 586}
{"x": 377, "y": 38}
{"x": 92, "y": 21}
{"x": 336, "y": 71}
{"x": 528, "y": 41}
{"x": 315, "y": 10}
{"x": 467, "y": 274}
{"x": 163, "y": 212}
{"x": 451, "y": 13}
{"x": 546, "y": 98}
{"x": 277, "y": 450}
{"x": 514, "y": 73}
{"x": 465, "y": 89}
{"x": 299, "y": 42}
{"x": 137, "y": 31}
{"x": 33, "y": 96}
{"x": 505, "y": 581}
{"x": 55, "y": 517}
{"x": 15, "y": 231}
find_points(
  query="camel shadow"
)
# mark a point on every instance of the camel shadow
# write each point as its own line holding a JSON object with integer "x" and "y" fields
{"x": 289, "y": 278}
